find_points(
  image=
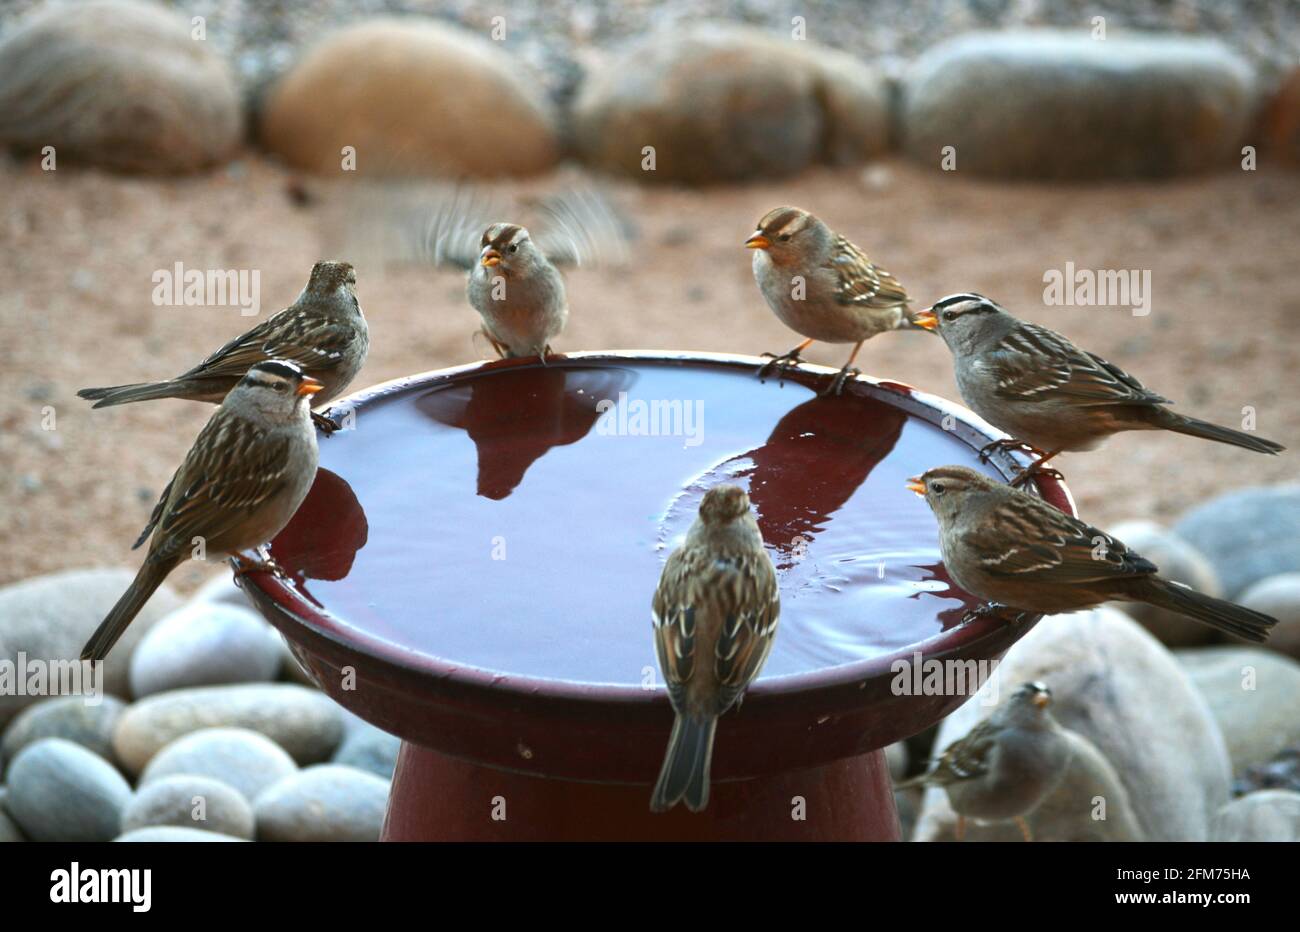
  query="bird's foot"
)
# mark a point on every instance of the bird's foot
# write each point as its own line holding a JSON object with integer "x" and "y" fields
{"x": 1013, "y": 616}
{"x": 1024, "y": 828}
{"x": 1035, "y": 469}
{"x": 1007, "y": 443}
{"x": 264, "y": 563}
{"x": 326, "y": 425}
{"x": 837, "y": 383}
{"x": 781, "y": 363}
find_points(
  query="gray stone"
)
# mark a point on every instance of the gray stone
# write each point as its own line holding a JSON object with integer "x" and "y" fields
{"x": 1278, "y": 596}
{"x": 1269, "y": 815}
{"x": 1254, "y": 695}
{"x": 722, "y": 103}
{"x": 323, "y": 803}
{"x": 242, "y": 759}
{"x": 1179, "y": 561}
{"x": 68, "y": 717}
{"x": 304, "y": 722}
{"x": 9, "y": 831}
{"x": 1247, "y": 535}
{"x": 1048, "y": 104}
{"x": 1104, "y": 670}
{"x": 51, "y": 617}
{"x": 169, "y": 834}
{"x": 222, "y": 590}
{"x": 205, "y": 644}
{"x": 190, "y": 801}
{"x": 59, "y": 791}
{"x": 368, "y": 748}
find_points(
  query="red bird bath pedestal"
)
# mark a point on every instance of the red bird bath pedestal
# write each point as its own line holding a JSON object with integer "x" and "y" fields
{"x": 474, "y": 566}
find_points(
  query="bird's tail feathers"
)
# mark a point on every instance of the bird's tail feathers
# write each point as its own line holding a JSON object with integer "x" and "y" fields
{"x": 1180, "y": 423}
{"x": 1217, "y": 613}
{"x": 125, "y": 394}
{"x": 150, "y": 577}
{"x": 685, "y": 772}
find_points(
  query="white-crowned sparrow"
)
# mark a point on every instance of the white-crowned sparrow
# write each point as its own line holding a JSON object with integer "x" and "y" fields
{"x": 1007, "y": 764}
{"x": 715, "y": 615}
{"x": 1014, "y": 549}
{"x": 323, "y": 332}
{"x": 242, "y": 480}
{"x": 514, "y": 276}
{"x": 1047, "y": 393}
{"x": 822, "y": 286}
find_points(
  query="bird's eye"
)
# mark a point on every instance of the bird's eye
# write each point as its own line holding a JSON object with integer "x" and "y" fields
{"x": 514, "y": 247}
{"x": 784, "y": 237}
{"x": 936, "y": 488}
{"x": 949, "y": 315}
{"x": 281, "y": 387}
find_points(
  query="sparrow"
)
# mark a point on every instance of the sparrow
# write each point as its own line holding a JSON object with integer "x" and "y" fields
{"x": 514, "y": 279}
{"x": 323, "y": 331}
{"x": 242, "y": 480}
{"x": 1006, "y": 765}
{"x": 822, "y": 286}
{"x": 1014, "y": 549}
{"x": 1048, "y": 394}
{"x": 715, "y": 615}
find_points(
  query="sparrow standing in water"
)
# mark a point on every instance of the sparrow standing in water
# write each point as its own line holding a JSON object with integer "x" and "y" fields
{"x": 1012, "y": 548}
{"x": 1048, "y": 394}
{"x": 715, "y": 615}
{"x": 822, "y": 286}
{"x": 323, "y": 332}
{"x": 248, "y": 471}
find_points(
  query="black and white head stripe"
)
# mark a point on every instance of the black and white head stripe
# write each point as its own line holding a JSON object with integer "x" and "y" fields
{"x": 278, "y": 367}
{"x": 968, "y": 302}
{"x": 501, "y": 236}
{"x": 783, "y": 222}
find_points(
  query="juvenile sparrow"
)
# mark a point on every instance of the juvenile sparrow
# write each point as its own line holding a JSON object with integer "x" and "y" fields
{"x": 1006, "y": 765}
{"x": 518, "y": 293}
{"x": 1047, "y": 393}
{"x": 715, "y": 615}
{"x": 323, "y": 332}
{"x": 1009, "y": 547}
{"x": 248, "y": 471}
{"x": 821, "y": 285}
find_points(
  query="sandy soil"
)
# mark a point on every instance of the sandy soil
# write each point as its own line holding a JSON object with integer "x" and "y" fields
{"x": 78, "y": 248}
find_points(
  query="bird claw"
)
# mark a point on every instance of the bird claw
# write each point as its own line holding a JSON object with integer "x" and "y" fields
{"x": 325, "y": 425}
{"x": 264, "y": 564}
{"x": 1034, "y": 469}
{"x": 837, "y": 383}
{"x": 995, "y": 610}
{"x": 1008, "y": 444}
{"x": 782, "y": 362}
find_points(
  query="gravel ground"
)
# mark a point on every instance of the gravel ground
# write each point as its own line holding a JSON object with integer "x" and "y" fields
{"x": 78, "y": 248}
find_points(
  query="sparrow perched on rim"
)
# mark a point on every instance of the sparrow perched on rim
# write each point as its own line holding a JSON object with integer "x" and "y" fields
{"x": 323, "y": 332}
{"x": 1048, "y": 394}
{"x": 248, "y": 471}
{"x": 514, "y": 279}
{"x": 1012, "y": 548}
{"x": 1006, "y": 765}
{"x": 715, "y": 615}
{"x": 821, "y": 285}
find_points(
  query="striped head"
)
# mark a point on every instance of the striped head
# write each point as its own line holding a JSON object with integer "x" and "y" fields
{"x": 790, "y": 235}
{"x": 276, "y": 389}
{"x": 329, "y": 276}
{"x": 966, "y": 321}
{"x": 505, "y": 248}
{"x": 947, "y": 489}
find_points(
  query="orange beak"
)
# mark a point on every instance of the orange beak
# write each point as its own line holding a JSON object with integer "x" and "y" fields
{"x": 757, "y": 241}
{"x": 309, "y": 386}
{"x": 916, "y": 485}
{"x": 491, "y": 257}
{"x": 926, "y": 319}
{"x": 1042, "y": 700}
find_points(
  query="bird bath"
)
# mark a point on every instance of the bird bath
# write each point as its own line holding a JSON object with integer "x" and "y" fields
{"x": 473, "y": 570}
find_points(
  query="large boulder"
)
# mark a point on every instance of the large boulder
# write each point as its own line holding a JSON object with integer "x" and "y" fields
{"x": 50, "y": 618}
{"x": 729, "y": 103}
{"x": 117, "y": 83}
{"x": 1254, "y": 695}
{"x": 1116, "y": 686}
{"x": 1269, "y": 815}
{"x": 1179, "y": 561}
{"x": 1247, "y": 535}
{"x": 413, "y": 98}
{"x": 1062, "y": 105}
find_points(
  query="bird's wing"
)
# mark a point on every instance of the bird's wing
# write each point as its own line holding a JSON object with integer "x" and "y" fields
{"x": 231, "y": 471}
{"x": 967, "y": 757}
{"x": 862, "y": 283}
{"x": 742, "y": 592}
{"x": 299, "y": 335}
{"x": 1032, "y": 363}
{"x": 1028, "y": 539}
{"x": 581, "y": 226}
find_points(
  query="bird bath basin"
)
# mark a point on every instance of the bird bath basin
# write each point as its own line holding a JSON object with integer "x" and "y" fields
{"x": 473, "y": 570}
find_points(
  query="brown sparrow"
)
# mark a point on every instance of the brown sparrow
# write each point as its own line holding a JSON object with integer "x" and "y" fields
{"x": 1014, "y": 549}
{"x": 1048, "y": 394}
{"x": 248, "y": 471}
{"x": 821, "y": 285}
{"x": 715, "y": 615}
{"x": 323, "y": 332}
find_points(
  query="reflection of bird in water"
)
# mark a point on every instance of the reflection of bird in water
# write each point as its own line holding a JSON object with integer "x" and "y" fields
{"x": 514, "y": 417}
{"x": 812, "y": 462}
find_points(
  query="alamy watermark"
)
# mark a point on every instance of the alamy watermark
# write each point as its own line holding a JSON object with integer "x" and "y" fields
{"x": 37, "y": 676}
{"x": 182, "y": 287}
{"x": 1072, "y": 287}
{"x": 659, "y": 417}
